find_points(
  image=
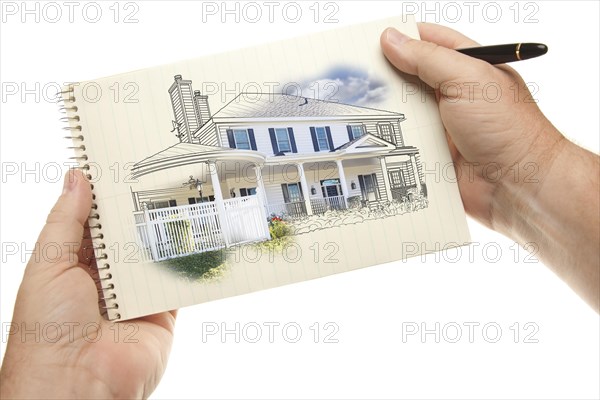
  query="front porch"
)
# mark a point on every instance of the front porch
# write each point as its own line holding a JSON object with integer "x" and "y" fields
{"x": 295, "y": 190}
{"x": 207, "y": 201}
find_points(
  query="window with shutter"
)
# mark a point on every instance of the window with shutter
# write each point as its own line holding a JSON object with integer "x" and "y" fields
{"x": 283, "y": 140}
{"x": 356, "y": 131}
{"x": 242, "y": 141}
{"x": 386, "y": 132}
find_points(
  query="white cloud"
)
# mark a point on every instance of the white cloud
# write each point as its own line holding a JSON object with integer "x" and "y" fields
{"x": 351, "y": 87}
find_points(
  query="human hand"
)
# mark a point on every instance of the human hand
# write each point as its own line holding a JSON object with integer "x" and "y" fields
{"x": 70, "y": 350}
{"x": 513, "y": 166}
{"x": 496, "y": 132}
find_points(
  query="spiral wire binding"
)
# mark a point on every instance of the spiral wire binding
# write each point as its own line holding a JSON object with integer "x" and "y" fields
{"x": 106, "y": 295}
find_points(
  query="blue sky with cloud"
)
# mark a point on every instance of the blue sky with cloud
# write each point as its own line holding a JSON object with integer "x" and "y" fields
{"x": 346, "y": 85}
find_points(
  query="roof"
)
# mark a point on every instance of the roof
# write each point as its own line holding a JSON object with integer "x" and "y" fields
{"x": 366, "y": 141}
{"x": 190, "y": 153}
{"x": 271, "y": 105}
{"x": 347, "y": 144}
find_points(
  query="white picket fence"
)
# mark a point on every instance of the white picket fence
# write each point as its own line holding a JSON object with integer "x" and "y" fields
{"x": 196, "y": 228}
{"x": 246, "y": 220}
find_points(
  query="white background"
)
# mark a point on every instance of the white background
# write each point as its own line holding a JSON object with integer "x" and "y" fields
{"x": 369, "y": 306}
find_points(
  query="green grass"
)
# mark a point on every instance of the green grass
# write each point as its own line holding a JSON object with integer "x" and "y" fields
{"x": 211, "y": 265}
{"x": 274, "y": 244}
{"x": 203, "y": 267}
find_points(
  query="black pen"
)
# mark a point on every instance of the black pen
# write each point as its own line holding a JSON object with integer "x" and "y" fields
{"x": 505, "y": 53}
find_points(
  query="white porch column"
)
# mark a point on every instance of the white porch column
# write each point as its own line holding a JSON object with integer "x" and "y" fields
{"x": 216, "y": 184}
{"x": 305, "y": 189}
{"x": 260, "y": 185}
{"x": 413, "y": 161}
{"x": 262, "y": 199}
{"x": 342, "y": 174}
{"x": 386, "y": 178}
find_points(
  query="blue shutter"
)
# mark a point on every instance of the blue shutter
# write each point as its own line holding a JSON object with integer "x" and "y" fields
{"x": 231, "y": 138}
{"x": 313, "y": 135}
{"x": 363, "y": 189}
{"x": 286, "y": 193}
{"x": 252, "y": 139}
{"x": 273, "y": 141}
{"x": 292, "y": 140}
{"x": 349, "y": 128}
{"x": 329, "y": 139}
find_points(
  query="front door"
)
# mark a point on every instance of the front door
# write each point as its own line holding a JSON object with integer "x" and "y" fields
{"x": 331, "y": 188}
{"x": 332, "y": 192}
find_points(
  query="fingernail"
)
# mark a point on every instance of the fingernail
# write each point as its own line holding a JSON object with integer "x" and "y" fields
{"x": 395, "y": 37}
{"x": 70, "y": 181}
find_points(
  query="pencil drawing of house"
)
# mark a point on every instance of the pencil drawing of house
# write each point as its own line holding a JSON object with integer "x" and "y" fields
{"x": 266, "y": 154}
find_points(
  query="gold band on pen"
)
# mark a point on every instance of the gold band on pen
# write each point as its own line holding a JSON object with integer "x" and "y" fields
{"x": 518, "y": 52}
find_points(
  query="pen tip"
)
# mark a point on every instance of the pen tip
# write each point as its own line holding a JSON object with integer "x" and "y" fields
{"x": 542, "y": 48}
{"x": 531, "y": 50}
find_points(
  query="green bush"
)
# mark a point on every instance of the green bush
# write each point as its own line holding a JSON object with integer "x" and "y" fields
{"x": 278, "y": 229}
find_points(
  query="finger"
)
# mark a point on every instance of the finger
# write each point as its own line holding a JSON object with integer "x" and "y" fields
{"x": 434, "y": 64}
{"x": 450, "y": 38}
{"x": 60, "y": 239}
{"x": 444, "y": 36}
{"x": 86, "y": 252}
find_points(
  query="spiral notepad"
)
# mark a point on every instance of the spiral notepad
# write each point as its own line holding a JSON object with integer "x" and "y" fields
{"x": 107, "y": 296}
{"x": 242, "y": 171}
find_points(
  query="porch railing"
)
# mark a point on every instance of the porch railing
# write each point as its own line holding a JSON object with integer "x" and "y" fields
{"x": 320, "y": 206}
{"x": 291, "y": 210}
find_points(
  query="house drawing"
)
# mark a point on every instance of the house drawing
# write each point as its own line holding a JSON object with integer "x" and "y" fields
{"x": 265, "y": 154}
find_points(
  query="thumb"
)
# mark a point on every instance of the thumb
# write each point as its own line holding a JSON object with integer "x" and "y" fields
{"x": 60, "y": 239}
{"x": 433, "y": 64}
